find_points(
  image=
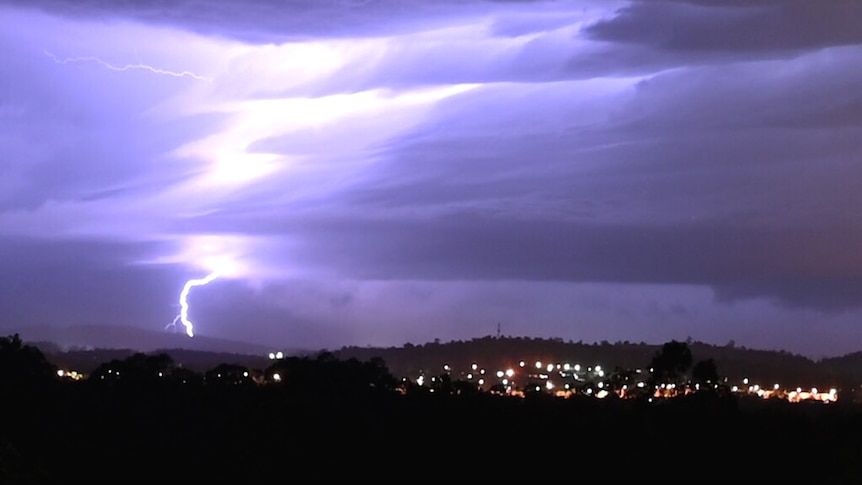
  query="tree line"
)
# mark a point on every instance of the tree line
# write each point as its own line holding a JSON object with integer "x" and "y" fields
{"x": 26, "y": 367}
{"x": 145, "y": 417}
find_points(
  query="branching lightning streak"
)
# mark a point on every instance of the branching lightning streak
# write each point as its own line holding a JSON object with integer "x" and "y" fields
{"x": 126, "y": 67}
{"x": 183, "y": 316}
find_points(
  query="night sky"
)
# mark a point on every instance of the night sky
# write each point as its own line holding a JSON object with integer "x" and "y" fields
{"x": 387, "y": 171}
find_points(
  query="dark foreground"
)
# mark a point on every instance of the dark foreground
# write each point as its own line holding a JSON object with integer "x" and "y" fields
{"x": 257, "y": 434}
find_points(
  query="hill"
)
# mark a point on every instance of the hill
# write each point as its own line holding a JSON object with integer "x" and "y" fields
{"x": 85, "y": 347}
{"x": 86, "y": 361}
{"x": 82, "y": 337}
{"x": 493, "y": 354}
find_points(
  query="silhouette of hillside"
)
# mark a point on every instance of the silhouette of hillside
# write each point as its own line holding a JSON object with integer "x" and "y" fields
{"x": 86, "y": 361}
{"x": 147, "y": 418}
{"x": 492, "y": 353}
{"x": 850, "y": 365}
{"x": 85, "y": 347}
{"x": 122, "y": 337}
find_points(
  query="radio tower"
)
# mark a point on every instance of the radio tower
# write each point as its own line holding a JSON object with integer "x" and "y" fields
{"x": 498, "y": 330}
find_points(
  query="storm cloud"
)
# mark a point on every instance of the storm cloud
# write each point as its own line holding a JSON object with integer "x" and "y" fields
{"x": 386, "y": 171}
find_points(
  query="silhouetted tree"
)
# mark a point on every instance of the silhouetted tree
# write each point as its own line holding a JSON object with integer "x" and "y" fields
{"x": 138, "y": 368}
{"x": 442, "y": 384}
{"x": 671, "y": 363}
{"x": 627, "y": 378}
{"x": 465, "y": 388}
{"x": 705, "y": 372}
{"x": 327, "y": 375}
{"x": 182, "y": 375}
{"x": 379, "y": 375}
{"x": 497, "y": 388}
{"x": 229, "y": 375}
{"x": 23, "y": 365}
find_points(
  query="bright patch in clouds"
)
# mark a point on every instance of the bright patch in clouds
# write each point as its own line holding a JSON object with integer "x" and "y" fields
{"x": 260, "y": 92}
{"x": 381, "y": 170}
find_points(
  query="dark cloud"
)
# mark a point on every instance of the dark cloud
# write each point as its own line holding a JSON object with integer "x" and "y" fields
{"x": 737, "y": 178}
{"x": 647, "y": 36}
{"x": 801, "y": 268}
{"x": 772, "y": 26}
{"x": 84, "y": 282}
{"x": 796, "y": 266}
{"x": 799, "y": 291}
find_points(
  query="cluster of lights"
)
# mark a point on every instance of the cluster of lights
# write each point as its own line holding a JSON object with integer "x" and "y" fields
{"x": 506, "y": 377}
{"x": 70, "y": 374}
{"x": 77, "y": 376}
{"x": 793, "y": 395}
{"x": 601, "y": 390}
{"x": 244, "y": 374}
{"x": 111, "y": 371}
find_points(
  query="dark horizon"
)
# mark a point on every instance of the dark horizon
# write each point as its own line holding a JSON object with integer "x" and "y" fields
{"x": 120, "y": 337}
{"x": 152, "y": 416}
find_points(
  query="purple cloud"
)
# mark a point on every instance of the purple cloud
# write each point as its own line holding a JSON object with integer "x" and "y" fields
{"x": 378, "y": 172}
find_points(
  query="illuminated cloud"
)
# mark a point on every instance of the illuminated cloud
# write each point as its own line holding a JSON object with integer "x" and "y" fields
{"x": 397, "y": 169}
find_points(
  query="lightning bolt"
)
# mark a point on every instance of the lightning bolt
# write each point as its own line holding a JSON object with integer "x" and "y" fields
{"x": 183, "y": 316}
{"x": 127, "y": 67}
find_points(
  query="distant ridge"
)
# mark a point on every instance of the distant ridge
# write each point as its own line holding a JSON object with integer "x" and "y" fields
{"x": 735, "y": 363}
{"x": 83, "y": 337}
